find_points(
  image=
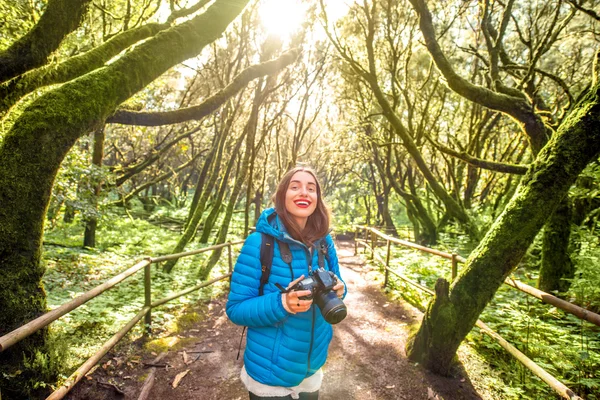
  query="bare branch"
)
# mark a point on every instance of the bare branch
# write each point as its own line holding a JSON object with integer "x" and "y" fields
{"x": 480, "y": 163}
{"x": 209, "y": 105}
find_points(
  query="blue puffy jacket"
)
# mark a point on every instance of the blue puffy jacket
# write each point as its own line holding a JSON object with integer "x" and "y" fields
{"x": 282, "y": 349}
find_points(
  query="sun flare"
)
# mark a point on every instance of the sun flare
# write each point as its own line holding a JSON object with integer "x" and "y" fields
{"x": 281, "y": 17}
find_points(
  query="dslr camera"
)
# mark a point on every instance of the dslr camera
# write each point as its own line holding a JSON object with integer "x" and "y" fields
{"x": 321, "y": 285}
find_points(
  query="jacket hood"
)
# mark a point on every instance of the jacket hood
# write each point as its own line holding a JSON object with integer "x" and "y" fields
{"x": 274, "y": 227}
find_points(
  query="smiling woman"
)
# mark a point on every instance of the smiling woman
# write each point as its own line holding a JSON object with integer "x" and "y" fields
{"x": 281, "y": 17}
{"x": 287, "y": 338}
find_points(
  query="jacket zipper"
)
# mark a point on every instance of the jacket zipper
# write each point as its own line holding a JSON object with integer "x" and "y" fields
{"x": 312, "y": 326}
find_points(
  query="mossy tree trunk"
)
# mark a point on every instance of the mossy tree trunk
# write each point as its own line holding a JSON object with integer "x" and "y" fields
{"x": 557, "y": 268}
{"x": 453, "y": 312}
{"x": 214, "y": 213}
{"x": 516, "y": 104}
{"x": 33, "y": 148}
{"x": 60, "y": 18}
{"x": 201, "y": 183}
{"x": 383, "y": 202}
{"x": 198, "y": 211}
{"x": 250, "y": 133}
{"x": 91, "y": 222}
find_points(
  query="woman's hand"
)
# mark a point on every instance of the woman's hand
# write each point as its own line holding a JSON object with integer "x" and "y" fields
{"x": 339, "y": 289}
{"x": 291, "y": 301}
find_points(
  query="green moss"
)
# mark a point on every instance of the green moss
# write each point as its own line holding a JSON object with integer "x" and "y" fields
{"x": 170, "y": 343}
{"x": 32, "y": 150}
{"x": 187, "y": 320}
{"x": 576, "y": 143}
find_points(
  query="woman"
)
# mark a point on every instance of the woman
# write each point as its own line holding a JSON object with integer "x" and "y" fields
{"x": 288, "y": 337}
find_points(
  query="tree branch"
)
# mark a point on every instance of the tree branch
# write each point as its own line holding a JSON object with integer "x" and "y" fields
{"x": 184, "y": 12}
{"x": 160, "y": 178}
{"x": 32, "y": 50}
{"x": 209, "y": 105}
{"x": 480, "y": 163}
{"x": 15, "y": 89}
{"x": 587, "y": 11}
{"x": 516, "y": 107}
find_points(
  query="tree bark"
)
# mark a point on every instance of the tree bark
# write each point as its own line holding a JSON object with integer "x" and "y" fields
{"x": 209, "y": 105}
{"x": 214, "y": 213}
{"x": 91, "y": 223}
{"x": 556, "y": 268}
{"x": 576, "y": 143}
{"x": 250, "y": 131}
{"x": 32, "y": 150}
{"x": 200, "y": 185}
{"x": 60, "y": 18}
{"x": 13, "y": 90}
{"x": 197, "y": 211}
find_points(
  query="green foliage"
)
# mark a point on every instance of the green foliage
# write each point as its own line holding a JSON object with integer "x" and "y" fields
{"x": 123, "y": 240}
{"x": 563, "y": 345}
{"x": 585, "y": 287}
{"x": 17, "y": 18}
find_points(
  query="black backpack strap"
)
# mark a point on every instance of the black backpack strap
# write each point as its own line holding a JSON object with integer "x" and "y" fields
{"x": 266, "y": 260}
{"x": 284, "y": 250}
{"x": 322, "y": 253}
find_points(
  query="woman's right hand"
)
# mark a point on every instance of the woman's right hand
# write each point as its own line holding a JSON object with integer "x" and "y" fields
{"x": 291, "y": 301}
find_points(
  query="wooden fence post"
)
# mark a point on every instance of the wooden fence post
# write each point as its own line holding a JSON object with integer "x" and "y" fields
{"x": 387, "y": 264}
{"x": 148, "y": 298}
{"x": 366, "y": 240}
{"x": 355, "y": 243}
{"x": 373, "y": 240}
{"x": 454, "y": 266}
{"x": 230, "y": 256}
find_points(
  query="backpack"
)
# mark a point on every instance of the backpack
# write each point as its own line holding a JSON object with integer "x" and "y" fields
{"x": 267, "y": 245}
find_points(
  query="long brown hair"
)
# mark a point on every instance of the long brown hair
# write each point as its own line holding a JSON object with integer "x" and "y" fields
{"x": 317, "y": 224}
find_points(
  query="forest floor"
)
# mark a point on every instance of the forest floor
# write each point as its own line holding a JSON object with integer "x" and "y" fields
{"x": 366, "y": 360}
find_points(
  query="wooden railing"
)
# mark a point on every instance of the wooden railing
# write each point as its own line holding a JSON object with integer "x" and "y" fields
{"x": 33, "y": 326}
{"x": 370, "y": 240}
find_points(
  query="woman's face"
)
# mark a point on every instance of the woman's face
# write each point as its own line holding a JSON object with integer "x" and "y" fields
{"x": 301, "y": 197}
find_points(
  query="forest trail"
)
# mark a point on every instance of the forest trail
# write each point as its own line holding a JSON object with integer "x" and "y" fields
{"x": 366, "y": 359}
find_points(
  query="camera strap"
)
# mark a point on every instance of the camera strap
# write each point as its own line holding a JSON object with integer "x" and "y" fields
{"x": 267, "y": 245}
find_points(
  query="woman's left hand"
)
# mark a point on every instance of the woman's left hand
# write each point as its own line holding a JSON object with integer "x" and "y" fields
{"x": 339, "y": 289}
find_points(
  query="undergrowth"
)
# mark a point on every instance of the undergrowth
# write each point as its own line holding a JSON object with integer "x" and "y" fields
{"x": 122, "y": 241}
{"x": 562, "y": 344}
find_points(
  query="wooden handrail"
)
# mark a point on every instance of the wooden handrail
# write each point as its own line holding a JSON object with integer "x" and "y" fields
{"x": 193, "y": 252}
{"x": 554, "y": 383}
{"x": 406, "y": 243}
{"x": 566, "y": 306}
{"x": 33, "y": 326}
{"x": 93, "y": 360}
{"x": 188, "y": 290}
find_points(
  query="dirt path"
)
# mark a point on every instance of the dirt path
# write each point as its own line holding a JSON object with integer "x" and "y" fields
{"x": 366, "y": 358}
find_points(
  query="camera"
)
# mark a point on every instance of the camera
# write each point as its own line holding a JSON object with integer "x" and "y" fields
{"x": 321, "y": 285}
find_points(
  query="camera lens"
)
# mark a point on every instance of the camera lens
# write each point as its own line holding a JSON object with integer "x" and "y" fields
{"x": 332, "y": 307}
